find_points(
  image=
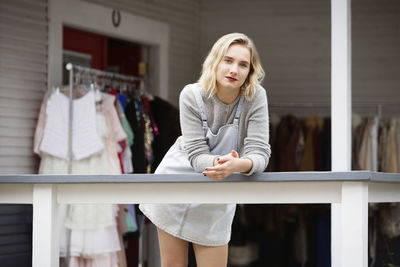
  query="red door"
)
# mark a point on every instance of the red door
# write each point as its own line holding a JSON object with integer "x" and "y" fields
{"x": 120, "y": 56}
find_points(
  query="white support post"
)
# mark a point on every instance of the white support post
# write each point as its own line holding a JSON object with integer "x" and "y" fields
{"x": 341, "y": 110}
{"x": 45, "y": 228}
{"x": 341, "y": 86}
{"x": 354, "y": 224}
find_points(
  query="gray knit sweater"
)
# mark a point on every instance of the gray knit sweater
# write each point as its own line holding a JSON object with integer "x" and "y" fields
{"x": 253, "y": 126}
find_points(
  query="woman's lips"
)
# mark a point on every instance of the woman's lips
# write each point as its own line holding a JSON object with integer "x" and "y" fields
{"x": 231, "y": 79}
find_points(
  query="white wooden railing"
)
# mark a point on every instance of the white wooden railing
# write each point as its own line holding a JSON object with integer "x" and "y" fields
{"x": 351, "y": 190}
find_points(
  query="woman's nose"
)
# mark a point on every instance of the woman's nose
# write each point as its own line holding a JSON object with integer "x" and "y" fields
{"x": 233, "y": 68}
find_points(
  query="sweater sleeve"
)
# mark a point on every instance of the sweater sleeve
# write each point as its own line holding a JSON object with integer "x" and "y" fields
{"x": 194, "y": 140}
{"x": 256, "y": 143}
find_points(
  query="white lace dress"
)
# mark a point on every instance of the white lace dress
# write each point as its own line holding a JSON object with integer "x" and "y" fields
{"x": 94, "y": 238}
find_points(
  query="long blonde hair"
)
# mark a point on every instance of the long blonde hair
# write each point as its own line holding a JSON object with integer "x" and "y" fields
{"x": 218, "y": 51}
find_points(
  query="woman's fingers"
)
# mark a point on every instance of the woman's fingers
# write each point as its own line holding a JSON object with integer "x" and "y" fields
{"x": 225, "y": 158}
{"x": 217, "y": 172}
{"x": 214, "y": 175}
{"x": 222, "y": 159}
{"x": 224, "y": 167}
{"x": 214, "y": 168}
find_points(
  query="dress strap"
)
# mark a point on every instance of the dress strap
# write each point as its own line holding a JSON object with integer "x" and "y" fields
{"x": 204, "y": 117}
{"x": 238, "y": 110}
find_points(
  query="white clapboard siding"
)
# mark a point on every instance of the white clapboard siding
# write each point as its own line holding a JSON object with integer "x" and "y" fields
{"x": 293, "y": 39}
{"x": 23, "y": 80}
{"x": 21, "y": 123}
{"x": 23, "y": 76}
{"x": 182, "y": 16}
{"x": 16, "y": 161}
{"x": 376, "y": 53}
{"x": 15, "y": 142}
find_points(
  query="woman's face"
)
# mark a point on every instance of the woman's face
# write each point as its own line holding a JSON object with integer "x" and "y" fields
{"x": 234, "y": 67}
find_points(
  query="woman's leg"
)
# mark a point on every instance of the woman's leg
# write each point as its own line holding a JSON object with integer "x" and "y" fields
{"x": 211, "y": 256}
{"x": 173, "y": 251}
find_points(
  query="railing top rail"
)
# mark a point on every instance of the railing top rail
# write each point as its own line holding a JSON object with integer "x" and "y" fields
{"x": 198, "y": 178}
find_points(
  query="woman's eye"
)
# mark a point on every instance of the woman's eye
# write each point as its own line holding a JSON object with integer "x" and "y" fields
{"x": 243, "y": 65}
{"x": 227, "y": 60}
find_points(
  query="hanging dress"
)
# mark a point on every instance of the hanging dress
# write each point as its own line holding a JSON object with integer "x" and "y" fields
{"x": 94, "y": 237}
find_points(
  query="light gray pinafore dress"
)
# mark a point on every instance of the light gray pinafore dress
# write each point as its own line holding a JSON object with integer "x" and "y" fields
{"x": 204, "y": 224}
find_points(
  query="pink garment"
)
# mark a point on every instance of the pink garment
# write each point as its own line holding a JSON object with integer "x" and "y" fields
{"x": 117, "y": 133}
{"x": 110, "y": 112}
{"x": 122, "y": 143}
{"x": 122, "y": 262}
{"x": 122, "y": 228}
{"x": 121, "y": 219}
{"x": 39, "y": 131}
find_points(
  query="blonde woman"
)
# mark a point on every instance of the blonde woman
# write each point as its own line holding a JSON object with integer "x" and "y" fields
{"x": 225, "y": 129}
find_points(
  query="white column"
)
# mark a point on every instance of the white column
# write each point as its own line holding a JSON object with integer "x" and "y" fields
{"x": 45, "y": 228}
{"x": 341, "y": 109}
{"x": 354, "y": 221}
{"x": 341, "y": 85}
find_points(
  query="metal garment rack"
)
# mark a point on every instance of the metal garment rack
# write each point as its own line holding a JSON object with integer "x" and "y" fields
{"x": 110, "y": 75}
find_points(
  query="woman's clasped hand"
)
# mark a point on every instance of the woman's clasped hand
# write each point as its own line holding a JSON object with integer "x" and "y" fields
{"x": 226, "y": 165}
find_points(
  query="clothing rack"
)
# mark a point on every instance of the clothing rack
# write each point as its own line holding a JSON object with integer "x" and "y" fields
{"x": 93, "y": 72}
{"x": 110, "y": 75}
